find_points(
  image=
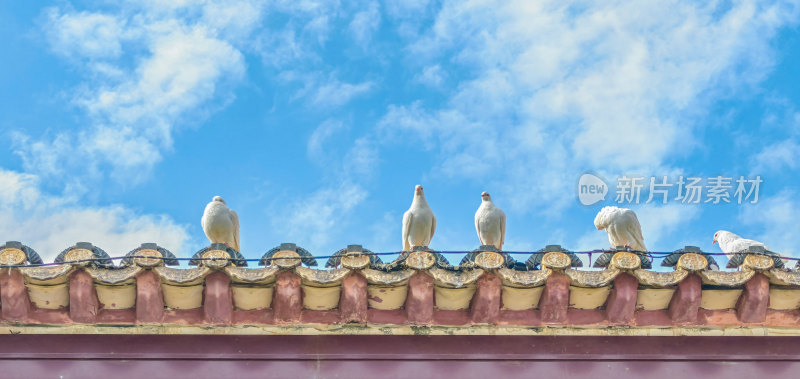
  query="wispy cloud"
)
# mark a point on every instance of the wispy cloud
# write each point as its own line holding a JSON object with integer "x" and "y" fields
{"x": 661, "y": 222}
{"x": 314, "y": 220}
{"x": 284, "y": 47}
{"x": 50, "y": 223}
{"x": 324, "y": 91}
{"x": 148, "y": 70}
{"x": 613, "y": 86}
{"x": 333, "y": 93}
{"x": 180, "y": 64}
{"x": 297, "y": 41}
{"x": 777, "y": 157}
{"x": 365, "y": 24}
{"x": 528, "y": 95}
{"x": 316, "y": 143}
{"x": 432, "y": 76}
{"x": 84, "y": 34}
{"x": 774, "y": 221}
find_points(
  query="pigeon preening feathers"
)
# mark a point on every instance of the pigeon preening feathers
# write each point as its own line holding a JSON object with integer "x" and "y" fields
{"x": 622, "y": 227}
{"x": 221, "y": 224}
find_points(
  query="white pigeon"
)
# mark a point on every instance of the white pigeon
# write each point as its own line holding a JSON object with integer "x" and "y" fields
{"x": 419, "y": 223}
{"x": 622, "y": 227}
{"x": 490, "y": 222}
{"x": 731, "y": 243}
{"x": 221, "y": 224}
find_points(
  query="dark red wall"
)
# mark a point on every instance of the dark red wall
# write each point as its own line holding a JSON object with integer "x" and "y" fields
{"x": 492, "y": 357}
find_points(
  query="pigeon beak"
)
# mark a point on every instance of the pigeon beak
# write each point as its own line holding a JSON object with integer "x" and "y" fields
{"x": 713, "y": 242}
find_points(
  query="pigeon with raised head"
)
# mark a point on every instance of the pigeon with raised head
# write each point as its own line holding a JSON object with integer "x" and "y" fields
{"x": 622, "y": 227}
{"x": 731, "y": 243}
{"x": 490, "y": 223}
{"x": 419, "y": 223}
{"x": 221, "y": 224}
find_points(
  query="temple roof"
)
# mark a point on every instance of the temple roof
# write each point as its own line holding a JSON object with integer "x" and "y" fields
{"x": 489, "y": 292}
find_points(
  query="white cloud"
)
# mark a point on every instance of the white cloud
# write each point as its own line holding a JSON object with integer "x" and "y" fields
{"x": 333, "y": 93}
{"x": 50, "y": 224}
{"x": 180, "y": 65}
{"x": 774, "y": 220}
{"x": 150, "y": 69}
{"x": 777, "y": 156}
{"x": 315, "y": 147}
{"x": 361, "y": 160}
{"x": 313, "y": 221}
{"x": 19, "y": 189}
{"x": 295, "y": 42}
{"x": 283, "y": 47}
{"x": 124, "y": 148}
{"x": 365, "y": 24}
{"x": 407, "y": 9}
{"x": 431, "y": 76}
{"x": 409, "y": 16}
{"x": 660, "y": 222}
{"x": 301, "y": 7}
{"x": 612, "y": 86}
{"x": 593, "y": 240}
{"x": 324, "y": 91}
{"x": 181, "y": 72}
{"x": 234, "y": 20}
{"x": 316, "y": 219}
{"x": 180, "y": 58}
{"x": 45, "y": 157}
{"x": 84, "y": 34}
{"x": 358, "y": 161}
{"x": 319, "y": 26}
{"x": 384, "y": 234}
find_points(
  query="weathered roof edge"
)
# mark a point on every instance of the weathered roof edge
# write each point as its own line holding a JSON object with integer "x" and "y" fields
{"x": 391, "y": 329}
{"x": 419, "y": 293}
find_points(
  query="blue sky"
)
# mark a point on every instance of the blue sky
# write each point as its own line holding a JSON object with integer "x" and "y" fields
{"x": 314, "y": 120}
